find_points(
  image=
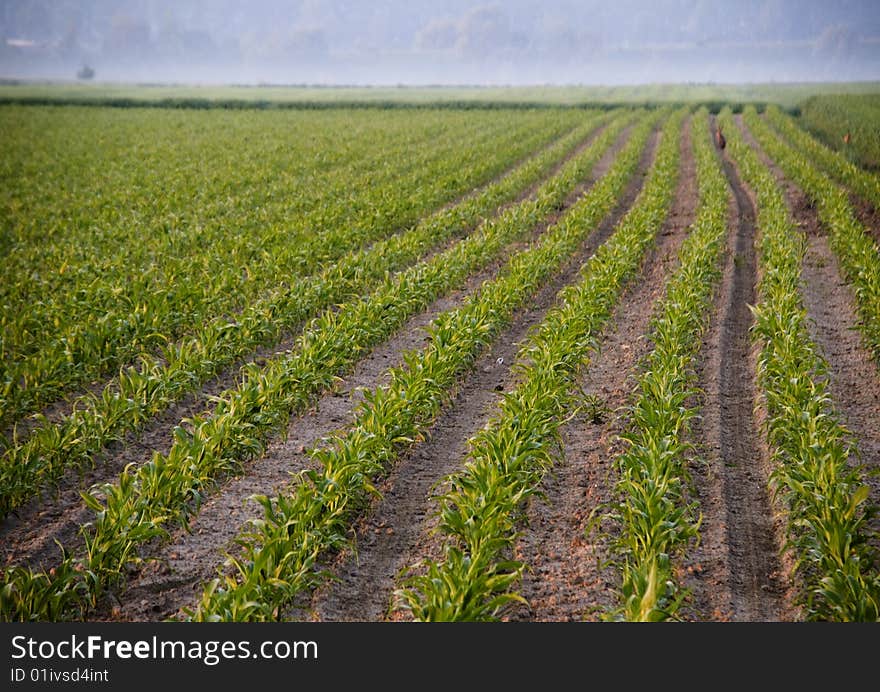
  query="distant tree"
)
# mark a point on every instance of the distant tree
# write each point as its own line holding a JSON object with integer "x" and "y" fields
{"x": 85, "y": 72}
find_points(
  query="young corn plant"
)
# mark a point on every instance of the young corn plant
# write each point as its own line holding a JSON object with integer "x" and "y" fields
{"x": 478, "y": 515}
{"x": 824, "y": 494}
{"x": 37, "y": 593}
{"x": 168, "y": 490}
{"x": 138, "y": 393}
{"x": 120, "y": 309}
{"x": 278, "y": 555}
{"x": 857, "y": 252}
{"x": 656, "y": 521}
{"x": 864, "y": 184}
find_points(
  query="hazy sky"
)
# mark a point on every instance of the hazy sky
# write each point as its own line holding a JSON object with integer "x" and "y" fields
{"x": 446, "y": 41}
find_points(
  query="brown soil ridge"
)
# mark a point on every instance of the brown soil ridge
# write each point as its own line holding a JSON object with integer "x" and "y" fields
{"x": 852, "y": 376}
{"x": 398, "y": 531}
{"x": 28, "y": 535}
{"x": 191, "y": 559}
{"x": 737, "y": 572}
{"x": 180, "y": 567}
{"x": 568, "y": 576}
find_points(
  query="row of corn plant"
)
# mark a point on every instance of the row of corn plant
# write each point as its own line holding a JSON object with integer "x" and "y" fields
{"x": 316, "y": 148}
{"x": 832, "y": 116}
{"x": 656, "y": 521}
{"x": 112, "y": 315}
{"x": 366, "y": 170}
{"x": 196, "y": 245}
{"x": 139, "y": 393}
{"x": 37, "y": 370}
{"x": 478, "y": 516}
{"x": 865, "y": 185}
{"x": 279, "y": 553}
{"x": 858, "y": 253}
{"x": 147, "y": 500}
{"x": 823, "y": 493}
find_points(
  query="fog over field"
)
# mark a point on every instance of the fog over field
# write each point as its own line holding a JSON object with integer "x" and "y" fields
{"x": 387, "y": 42}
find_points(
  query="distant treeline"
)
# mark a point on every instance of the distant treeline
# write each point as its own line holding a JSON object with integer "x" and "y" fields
{"x": 451, "y": 104}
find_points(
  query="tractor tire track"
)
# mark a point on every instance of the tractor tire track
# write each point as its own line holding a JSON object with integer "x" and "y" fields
{"x": 190, "y": 559}
{"x": 737, "y": 573}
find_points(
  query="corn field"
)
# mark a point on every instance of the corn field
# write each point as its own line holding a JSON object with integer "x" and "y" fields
{"x": 523, "y": 364}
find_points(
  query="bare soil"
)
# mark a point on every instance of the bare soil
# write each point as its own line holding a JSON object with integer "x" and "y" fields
{"x": 868, "y": 215}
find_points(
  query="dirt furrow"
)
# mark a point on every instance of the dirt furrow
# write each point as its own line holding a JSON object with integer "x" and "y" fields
{"x": 737, "y": 573}
{"x": 853, "y": 380}
{"x": 29, "y": 534}
{"x": 868, "y": 215}
{"x": 398, "y": 530}
{"x": 561, "y": 545}
{"x": 192, "y": 558}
